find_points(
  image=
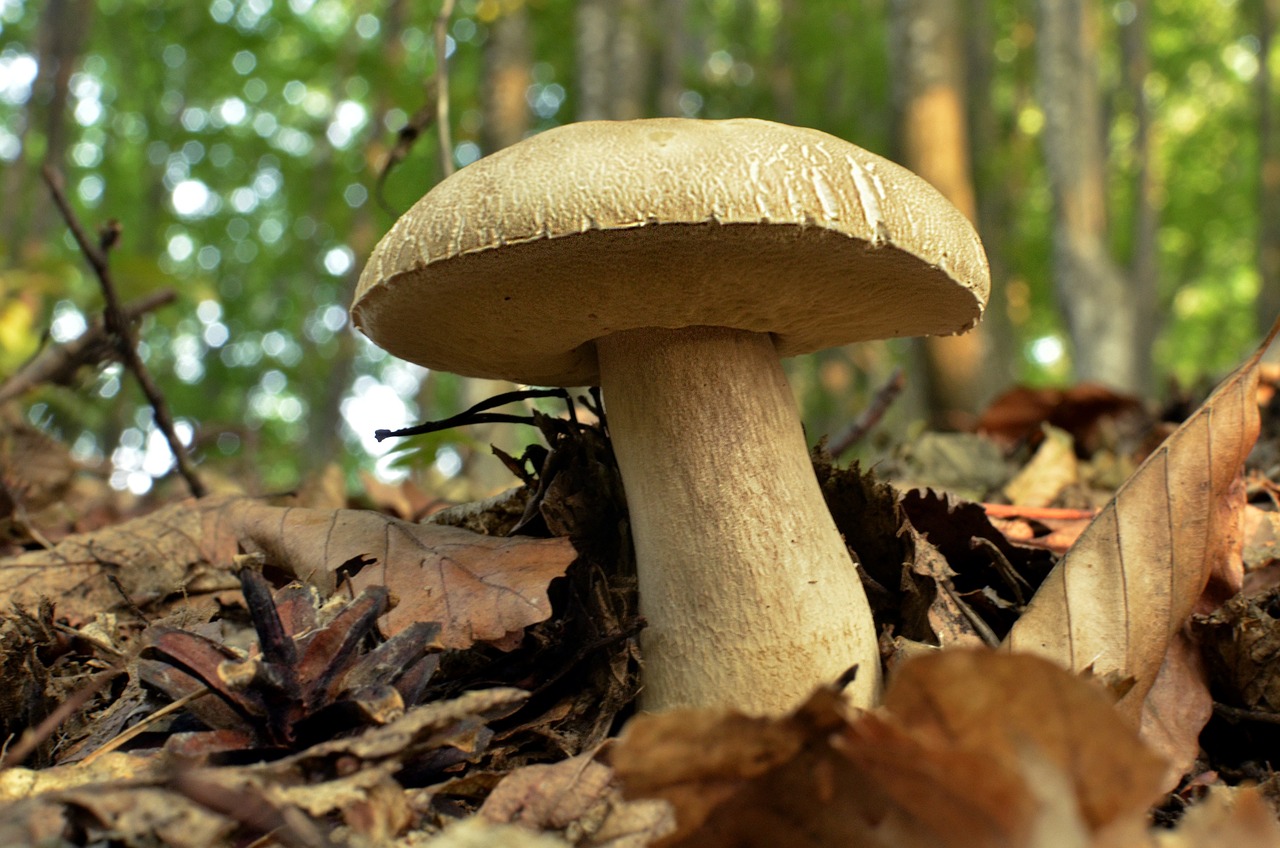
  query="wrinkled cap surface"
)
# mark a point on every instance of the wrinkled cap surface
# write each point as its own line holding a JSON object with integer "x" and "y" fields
{"x": 514, "y": 265}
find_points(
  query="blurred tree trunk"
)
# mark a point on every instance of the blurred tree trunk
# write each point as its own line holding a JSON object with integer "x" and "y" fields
{"x": 991, "y": 190}
{"x": 1267, "y": 14}
{"x": 1099, "y": 304}
{"x": 614, "y": 58}
{"x": 1144, "y": 260}
{"x": 507, "y": 73}
{"x": 324, "y": 430}
{"x": 928, "y": 52}
{"x": 782, "y": 79}
{"x": 674, "y": 50}
{"x": 508, "y": 60}
{"x": 61, "y": 36}
{"x": 591, "y": 44}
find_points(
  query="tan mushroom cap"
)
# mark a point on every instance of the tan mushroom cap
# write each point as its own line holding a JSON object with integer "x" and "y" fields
{"x": 511, "y": 267}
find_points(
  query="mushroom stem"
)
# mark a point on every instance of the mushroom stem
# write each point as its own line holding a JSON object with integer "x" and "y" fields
{"x": 750, "y": 594}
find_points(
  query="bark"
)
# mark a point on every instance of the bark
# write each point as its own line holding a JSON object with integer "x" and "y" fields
{"x": 782, "y": 79}
{"x": 674, "y": 15}
{"x": 61, "y": 36}
{"x": 592, "y": 42}
{"x": 614, "y": 57}
{"x": 324, "y": 432}
{"x": 629, "y": 94}
{"x": 928, "y": 51}
{"x": 507, "y": 76}
{"x": 1144, "y": 258}
{"x": 1097, "y": 300}
{"x": 992, "y": 188}
{"x": 1267, "y": 14}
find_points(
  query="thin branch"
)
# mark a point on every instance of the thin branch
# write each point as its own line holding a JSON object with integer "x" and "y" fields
{"x": 442, "y": 87}
{"x": 871, "y": 416}
{"x": 478, "y": 414}
{"x": 118, "y": 326}
{"x": 57, "y": 364}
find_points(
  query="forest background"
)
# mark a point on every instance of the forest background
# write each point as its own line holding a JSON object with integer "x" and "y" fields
{"x": 1120, "y": 159}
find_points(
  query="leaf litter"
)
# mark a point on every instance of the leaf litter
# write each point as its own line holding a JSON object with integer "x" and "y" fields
{"x": 336, "y": 677}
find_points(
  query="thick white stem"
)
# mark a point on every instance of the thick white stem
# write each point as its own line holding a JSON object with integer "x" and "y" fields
{"x": 751, "y": 597}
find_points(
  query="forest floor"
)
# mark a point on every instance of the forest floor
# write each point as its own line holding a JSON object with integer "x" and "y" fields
{"x": 324, "y": 669}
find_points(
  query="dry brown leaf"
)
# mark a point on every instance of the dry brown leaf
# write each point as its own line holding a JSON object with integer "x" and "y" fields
{"x": 1051, "y": 469}
{"x": 169, "y": 551}
{"x": 996, "y": 707}
{"x": 480, "y": 588}
{"x": 1127, "y": 586}
{"x": 549, "y": 797}
{"x": 973, "y": 748}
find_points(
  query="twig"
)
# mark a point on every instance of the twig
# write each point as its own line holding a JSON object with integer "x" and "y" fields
{"x": 417, "y": 124}
{"x": 871, "y": 416}
{"x": 1003, "y": 567}
{"x": 1235, "y": 714}
{"x": 118, "y": 327}
{"x": 442, "y": 87}
{"x": 979, "y": 625}
{"x": 478, "y": 414}
{"x": 57, "y": 364}
{"x": 139, "y": 728}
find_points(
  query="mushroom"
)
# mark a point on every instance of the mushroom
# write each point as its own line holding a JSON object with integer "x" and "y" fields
{"x": 672, "y": 262}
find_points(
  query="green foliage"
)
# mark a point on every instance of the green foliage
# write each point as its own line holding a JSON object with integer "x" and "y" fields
{"x": 239, "y": 142}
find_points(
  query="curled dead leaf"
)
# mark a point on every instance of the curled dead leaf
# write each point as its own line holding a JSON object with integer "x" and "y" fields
{"x": 1128, "y": 585}
{"x": 480, "y": 588}
{"x": 973, "y": 748}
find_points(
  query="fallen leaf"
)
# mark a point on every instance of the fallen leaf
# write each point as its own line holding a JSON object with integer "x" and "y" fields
{"x": 1178, "y": 707}
{"x": 480, "y": 588}
{"x": 1128, "y": 585}
{"x": 1083, "y": 411}
{"x": 1052, "y": 468}
{"x": 549, "y": 797}
{"x": 166, "y": 552}
{"x": 579, "y": 799}
{"x": 972, "y": 748}
{"x": 1242, "y": 647}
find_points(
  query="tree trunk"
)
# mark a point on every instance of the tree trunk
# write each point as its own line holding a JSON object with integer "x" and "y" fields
{"x": 61, "y": 36}
{"x": 507, "y": 76}
{"x": 991, "y": 191}
{"x": 592, "y": 42}
{"x": 613, "y": 59}
{"x": 782, "y": 81}
{"x": 324, "y": 432}
{"x": 928, "y": 53}
{"x": 1144, "y": 259}
{"x": 674, "y": 50}
{"x": 1097, "y": 301}
{"x": 1267, "y": 15}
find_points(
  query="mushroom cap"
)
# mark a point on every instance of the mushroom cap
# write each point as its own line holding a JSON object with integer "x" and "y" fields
{"x": 512, "y": 266}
